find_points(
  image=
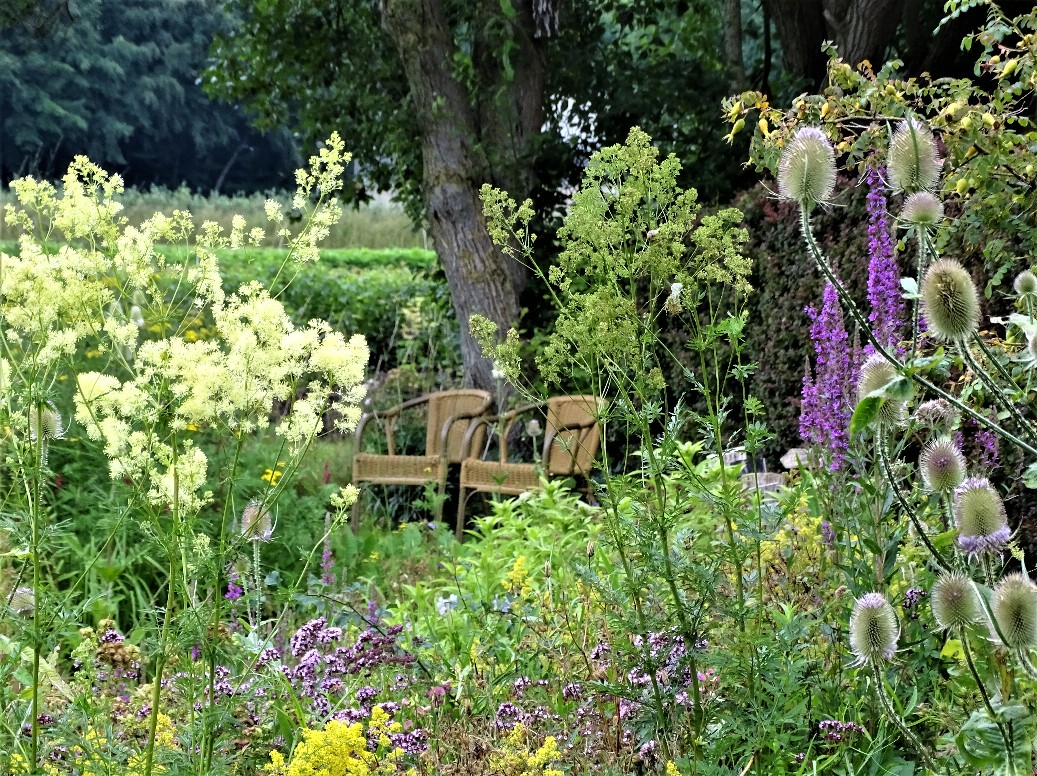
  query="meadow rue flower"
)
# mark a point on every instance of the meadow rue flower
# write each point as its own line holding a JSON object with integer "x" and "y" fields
{"x": 942, "y": 466}
{"x": 1025, "y": 283}
{"x": 954, "y": 602}
{"x": 914, "y": 163}
{"x": 1014, "y": 605}
{"x": 979, "y": 515}
{"x": 877, "y": 372}
{"x": 256, "y": 524}
{"x": 874, "y": 628}
{"x": 922, "y": 209}
{"x": 887, "y": 305}
{"x": 806, "y": 172}
{"x": 824, "y": 419}
{"x": 950, "y": 302}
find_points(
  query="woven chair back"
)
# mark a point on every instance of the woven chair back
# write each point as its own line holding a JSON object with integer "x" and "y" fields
{"x": 440, "y": 407}
{"x": 573, "y": 451}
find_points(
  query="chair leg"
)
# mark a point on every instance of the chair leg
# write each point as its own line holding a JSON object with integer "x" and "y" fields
{"x": 462, "y": 497}
{"x": 440, "y": 500}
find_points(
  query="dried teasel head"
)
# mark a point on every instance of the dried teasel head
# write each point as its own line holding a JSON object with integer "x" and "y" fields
{"x": 806, "y": 172}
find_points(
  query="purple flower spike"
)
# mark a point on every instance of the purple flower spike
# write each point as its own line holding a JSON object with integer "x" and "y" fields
{"x": 887, "y": 305}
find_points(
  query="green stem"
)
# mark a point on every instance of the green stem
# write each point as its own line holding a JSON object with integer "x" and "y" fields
{"x": 881, "y": 350}
{"x": 37, "y": 587}
{"x": 995, "y": 389}
{"x": 887, "y": 705}
{"x": 983, "y": 692}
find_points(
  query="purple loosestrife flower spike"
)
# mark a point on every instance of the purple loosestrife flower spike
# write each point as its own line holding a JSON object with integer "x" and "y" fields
{"x": 887, "y": 305}
{"x": 825, "y": 416}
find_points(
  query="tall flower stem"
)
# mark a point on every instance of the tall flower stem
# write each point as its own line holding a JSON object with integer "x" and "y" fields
{"x": 988, "y": 380}
{"x": 859, "y": 318}
{"x": 1005, "y": 733}
{"x": 35, "y": 512}
{"x": 887, "y": 706}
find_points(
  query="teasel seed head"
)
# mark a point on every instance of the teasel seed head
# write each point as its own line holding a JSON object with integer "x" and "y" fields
{"x": 943, "y": 466}
{"x": 950, "y": 301}
{"x": 953, "y": 601}
{"x": 979, "y": 515}
{"x": 806, "y": 172}
{"x": 49, "y": 419}
{"x": 1014, "y": 605}
{"x": 938, "y": 414}
{"x": 922, "y": 209}
{"x": 874, "y": 629}
{"x": 913, "y": 162}
{"x": 1025, "y": 283}
{"x": 876, "y": 372}
{"x": 256, "y": 525}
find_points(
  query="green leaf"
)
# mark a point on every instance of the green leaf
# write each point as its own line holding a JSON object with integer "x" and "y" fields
{"x": 866, "y": 413}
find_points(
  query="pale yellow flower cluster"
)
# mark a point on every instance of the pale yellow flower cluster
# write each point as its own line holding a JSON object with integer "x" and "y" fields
{"x": 96, "y": 288}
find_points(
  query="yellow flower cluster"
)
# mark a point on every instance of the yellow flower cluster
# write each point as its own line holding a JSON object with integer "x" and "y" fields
{"x": 340, "y": 749}
{"x": 515, "y": 759}
{"x": 517, "y": 580}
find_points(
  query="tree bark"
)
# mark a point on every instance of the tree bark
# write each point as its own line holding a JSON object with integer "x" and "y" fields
{"x": 736, "y": 80}
{"x": 462, "y": 147}
{"x": 800, "y": 25}
{"x": 863, "y": 29}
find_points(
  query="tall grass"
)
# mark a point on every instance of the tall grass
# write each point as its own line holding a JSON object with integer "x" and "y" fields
{"x": 377, "y": 225}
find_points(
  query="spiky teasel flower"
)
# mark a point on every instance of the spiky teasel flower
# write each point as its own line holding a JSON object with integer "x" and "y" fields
{"x": 922, "y": 209}
{"x": 256, "y": 525}
{"x": 980, "y": 517}
{"x": 1014, "y": 605}
{"x": 953, "y": 601}
{"x": 938, "y": 414}
{"x": 943, "y": 466}
{"x": 49, "y": 419}
{"x": 950, "y": 302}
{"x": 1025, "y": 283}
{"x": 874, "y": 629}
{"x": 876, "y": 372}
{"x": 913, "y": 162}
{"x": 806, "y": 173}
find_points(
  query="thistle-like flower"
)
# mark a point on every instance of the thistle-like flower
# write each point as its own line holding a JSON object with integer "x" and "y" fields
{"x": 950, "y": 302}
{"x": 938, "y": 414}
{"x": 913, "y": 162}
{"x": 874, "y": 629}
{"x": 922, "y": 209}
{"x": 49, "y": 419}
{"x": 979, "y": 515}
{"x": 806, "y": 173}
{"x": 953, "y": 601}
{"x": 943, "y": 466}
{"x": 1025, "y": 283}
{"x": 256, "y": 525}
{"x": 875, "y": 373}
{"x": 1014, "y": 604}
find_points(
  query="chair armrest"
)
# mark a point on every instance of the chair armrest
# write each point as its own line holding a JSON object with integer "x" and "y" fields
{"x": 390, "y": 414}
{"x": 444, "y": 432}
{"x": 504, "y": 422}
{"x": 552, "y": 434}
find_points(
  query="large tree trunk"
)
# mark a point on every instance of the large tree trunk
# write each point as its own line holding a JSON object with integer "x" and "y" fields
{"x": 736, "y": 80}
{"x": 461, "y": 149}
{"x": 800, "y": 25}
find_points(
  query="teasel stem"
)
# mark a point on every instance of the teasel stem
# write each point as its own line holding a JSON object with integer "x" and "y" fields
{"x": 1002, "y": 400}
{"x": 982, "y": 687}
{"x": 862, "y": 322}
{"x": 887, "y": 467}
{"x": 887, "y": 706}
{"x": 1026, "y": 663}
{"x": 923, "y": 253}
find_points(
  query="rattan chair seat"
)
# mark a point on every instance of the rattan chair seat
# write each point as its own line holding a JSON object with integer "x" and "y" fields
{"x": 396, "y": 469}
{"x": 496, "y": 477}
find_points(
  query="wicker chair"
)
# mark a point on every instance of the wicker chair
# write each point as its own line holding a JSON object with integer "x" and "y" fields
{"x": 449, "y": 419}
{"x": 571, "y": 441}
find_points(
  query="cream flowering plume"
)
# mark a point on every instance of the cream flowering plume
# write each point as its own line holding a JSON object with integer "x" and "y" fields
{"x": 99, "y": 290}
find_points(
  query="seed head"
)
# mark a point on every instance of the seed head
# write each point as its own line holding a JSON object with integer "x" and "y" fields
{"x": 874, "y": 628}
{"x": 922, "y": 209}
{"x": 950, "y": 302}
{"x": 1025, "y": 283}
{"x": 1014, "y": 604}
{"x": 875, "y": 373}
{"x": 943, "y": 466}
{"x": 953, "y": 601}
{"x": 980, "y": 517}
{"x": 256, "y": 524}
{"x": 938, "y": 414}
{"x": 913, "y": 163}
{"x": 47, "y": 418}
{"x": 806, "y": 173}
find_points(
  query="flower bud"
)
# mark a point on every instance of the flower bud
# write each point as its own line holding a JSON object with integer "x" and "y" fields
{"x": 913, "y": 162}
{"x": 875, "y": 373}
{"x": 806, "y": 173}
{"x": 874, "y": 628}
{"x": 1014, "y": 604}
{"x": 533, "y": 428}
{"x": 953, "y": 601}
{"x": 922, "y": 209}
{"x": 1025, "y": 283}
{"x": 979, "y": 515}
{"x": 256, "y": 525}
{"x": 943, "y": 466}
{"x": 938, "y": 414}
{"x": 950, "y": 302}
